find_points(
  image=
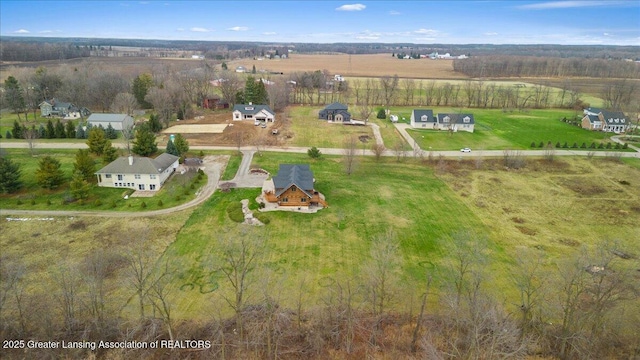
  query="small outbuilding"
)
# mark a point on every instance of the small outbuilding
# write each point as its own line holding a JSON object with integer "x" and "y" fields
{"x": 117, "y": 121}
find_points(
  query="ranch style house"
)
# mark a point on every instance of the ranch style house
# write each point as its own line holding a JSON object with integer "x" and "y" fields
{"x": 293, "y": 186}
{"x": 603, "y": 120}
{"x": 138, "y": 173}
{"x": 117, "y": 121}
{"x": 257, "y": 113}
{"x": 335, "y": 112}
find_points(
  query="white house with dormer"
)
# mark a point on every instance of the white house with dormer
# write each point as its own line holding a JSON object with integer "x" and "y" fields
{"x": 596, "y": 119}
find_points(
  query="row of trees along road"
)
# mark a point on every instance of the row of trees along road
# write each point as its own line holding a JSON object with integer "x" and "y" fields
{"x": 567, "y": 308}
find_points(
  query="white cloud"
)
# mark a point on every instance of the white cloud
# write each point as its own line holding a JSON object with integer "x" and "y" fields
{"x": 351, "y": 7}
{"x": 490, "y": 34}
{"x": 569, "y": 4}
{"x": 605, "y": 34}
{"x": 22, "y": 31}
{"x": 238, "y": 28}
{"x": 393, "y": 12}
{"x": 199, "y": 29}
{"x": 426, "y": 32}
{"x": 45, "y": 32}
{"x": 269, "y": 33}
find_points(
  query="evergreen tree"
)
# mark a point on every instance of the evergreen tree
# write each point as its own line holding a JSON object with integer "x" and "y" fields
{"x": 87, "y": 130}
{"x": 13, "y": 95}
{"x": 96, "y": 140}
{"x": 109, "y": 154}
{"x": 182, "y": 145}
{"x": 85, "y": 165}
{"x": 145, "y": 142}
{"x": 171, "y": 149}
{"x": 140, "y": 87}
{"x": 80, "y": 132}
{"x": 9, "y": 176}
{"x": 381, "y": 114}
{"x": 110, "y": 132}
{"x": 16, "y": 132}
{"x": 8, "y": 135}
{"x": 49, "y": 175}
{"x": 261, "y": 96}
{"x": 249, "y": 90}
{"x": 42, "y": 133}
{"x": 154, "y": 123}
{"x": 224, "y": 66}
{"x": 59, "y": 130}
{"x": 79, "y": 186}
{"x": 70, "y": 130}
{"x": 253, "y": 70}
{"x": 51, "y": 131}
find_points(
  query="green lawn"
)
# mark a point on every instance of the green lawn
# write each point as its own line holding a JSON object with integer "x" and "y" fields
{"x": 179, "y": 189}
{"x": 307, "y": 130}
{"x": 497, "y": 130}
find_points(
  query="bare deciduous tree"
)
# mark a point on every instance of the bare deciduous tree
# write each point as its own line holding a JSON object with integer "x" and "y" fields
{"x": 378, "y": 150}
{"x": 124, "y": 103}
{"x": 349, "y": 152}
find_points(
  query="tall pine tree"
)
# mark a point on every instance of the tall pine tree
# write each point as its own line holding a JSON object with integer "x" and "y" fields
{"x": 145, "y": 142}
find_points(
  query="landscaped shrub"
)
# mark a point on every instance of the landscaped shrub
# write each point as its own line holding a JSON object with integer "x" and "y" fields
{"x": 98, "y": 202}
{"x": 625, "y": 146}
{"x": 160, "y": 203}
{"x": 186, "y": 192}
{"x": 48, "y": 202}
{"x": 565, "y": 145}
{"x": 143, "y": 205}
{"x": 234, "y": 210}
{"x": 193, "y": 186}
{"x": 583, "y": 146}
{"x": 601, "y": 146}
{"x": 541, "y": 145}
{"x": 113, "y": 204}
{"x": 200, "y": 172}
{"x": 263, "y": 218}
{"x": 533, "y": 144}
{"x": 19, "y": 202}
{"x": 575, "y": 145}
{"x": 617, "y": 146}
{"x": 608, "y": 145}
{"x": 558, "y": 144}
{"x": 33, "y": 201}
{"x": 178, "y": 197}
{"x": 592, "y": 146}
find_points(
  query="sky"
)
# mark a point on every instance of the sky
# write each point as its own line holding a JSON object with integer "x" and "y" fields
{"x": 609, "y": 22}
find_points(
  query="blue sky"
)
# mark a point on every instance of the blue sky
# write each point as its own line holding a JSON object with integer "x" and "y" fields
{"x": 608, "y": 22}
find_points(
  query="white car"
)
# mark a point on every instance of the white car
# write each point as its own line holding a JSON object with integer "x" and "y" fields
{"x": 465, "y": 150}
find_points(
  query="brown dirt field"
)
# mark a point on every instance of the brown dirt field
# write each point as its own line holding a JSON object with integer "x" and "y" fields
{"x": 249, "y": 133}
{"x": 374, "y": 65}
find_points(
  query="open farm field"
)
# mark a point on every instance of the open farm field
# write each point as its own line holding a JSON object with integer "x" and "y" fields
{"x": 374, "y": 65}
{"x": 497, "y": 130}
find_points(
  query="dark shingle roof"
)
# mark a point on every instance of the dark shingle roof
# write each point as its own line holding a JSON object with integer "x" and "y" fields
{"x": 417, "y": 115}
{"x": 457, "y": 118}
{"x": 141, "y": 165}
{"x": 336, "y": 106}
{"x": 593, "y": 118}
{"x": 294, "y": 174}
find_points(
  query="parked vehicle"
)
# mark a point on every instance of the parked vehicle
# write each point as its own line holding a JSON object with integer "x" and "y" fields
{"x": 467, "y": 150}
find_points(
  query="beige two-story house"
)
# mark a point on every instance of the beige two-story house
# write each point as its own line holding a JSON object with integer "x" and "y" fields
{"x": 138, "y": 173}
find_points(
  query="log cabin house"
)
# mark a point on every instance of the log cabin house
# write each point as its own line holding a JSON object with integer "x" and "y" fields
{"x": 293, "y": 186}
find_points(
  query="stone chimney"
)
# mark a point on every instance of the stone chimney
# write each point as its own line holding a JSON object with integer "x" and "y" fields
{"x": 130, "y": 160}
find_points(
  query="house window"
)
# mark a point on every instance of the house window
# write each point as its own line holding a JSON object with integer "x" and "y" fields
{"x": 152, "y": 187}
{"x": 446, "y": 119}
{"x": 466, "y": 119}
{"x": 293, "y": 188}
{"x": 424, "y": 118}
{"x": 237, "y": 116}
{"x": 140, "y": 186}
{"x": 152, "y": 177}
{"x": 303, "y": 200}
{"x": 120, "y": 177}
{"x": 137, "y": 176}
{"x": 285, "y": 200}
{"x": 108, "y": 176}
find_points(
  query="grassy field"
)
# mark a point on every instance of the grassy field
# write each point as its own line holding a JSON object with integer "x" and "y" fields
{"x": 176, "y": 191}
{"x": 550, "y": 207}
{"x": 307, "y": 130}
{"x": 496, "y": 130}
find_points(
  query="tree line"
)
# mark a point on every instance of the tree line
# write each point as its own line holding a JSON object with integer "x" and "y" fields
{"x": 530, "y": 66}
{"x": 12, "y": 51}
{"x": 572, "y": 308}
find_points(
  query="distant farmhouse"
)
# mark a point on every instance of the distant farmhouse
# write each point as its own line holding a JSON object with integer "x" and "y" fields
{"x": 603, "y": 120}
{"x": 335, "y": 112}
{"x": 293, "y": 186}
{"x": 117, "y": 121}
{"x": 55, "y": 107}
{"x": 424, "y": 119}
{"x": 257, "y": 113}
{"x": 138, "y": 173}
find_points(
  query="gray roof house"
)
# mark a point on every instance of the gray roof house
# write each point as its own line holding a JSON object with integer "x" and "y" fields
{"x": 456, "y": 122}
{"x": 138, "y": 173}
{"x": 293, "y": 186}
{"x": 423, "y": 119}
{"x": 55, "y": 107}
{"x": 335, "y": 112}
{"x": 117, "y": 121}
{"x": 258, "y": 113}
{"x": 604, "y": 120}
